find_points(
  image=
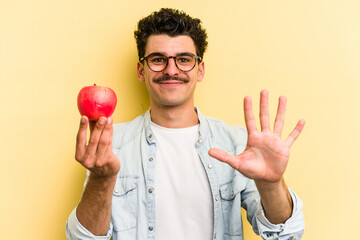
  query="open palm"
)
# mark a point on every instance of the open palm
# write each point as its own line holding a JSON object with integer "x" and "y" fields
{"x": 266, "y": 155}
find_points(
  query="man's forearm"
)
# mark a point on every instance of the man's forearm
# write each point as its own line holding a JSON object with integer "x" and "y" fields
{"x": 94, "y": 209}
{"x": 276, "y": 201}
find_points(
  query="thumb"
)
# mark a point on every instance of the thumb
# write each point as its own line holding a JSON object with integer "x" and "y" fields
{"x": 222, "y": 156}
{"x": 239, "y": 162}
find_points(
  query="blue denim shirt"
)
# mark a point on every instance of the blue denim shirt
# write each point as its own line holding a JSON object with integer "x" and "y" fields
{"x": 133, "y": 205}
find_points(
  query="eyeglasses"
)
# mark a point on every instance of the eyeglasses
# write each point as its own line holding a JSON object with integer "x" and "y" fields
{"x": 157, "y": 62}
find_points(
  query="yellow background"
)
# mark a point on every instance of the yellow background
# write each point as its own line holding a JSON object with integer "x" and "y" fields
{"x": 307, "y": 50}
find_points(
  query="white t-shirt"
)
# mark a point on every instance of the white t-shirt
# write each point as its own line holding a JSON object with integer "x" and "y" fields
{"x": 184, "y": 206}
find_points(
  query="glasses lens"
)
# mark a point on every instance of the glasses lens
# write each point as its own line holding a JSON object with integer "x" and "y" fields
{"x": 157, "y": 62}
{"x": 185, "y": 62}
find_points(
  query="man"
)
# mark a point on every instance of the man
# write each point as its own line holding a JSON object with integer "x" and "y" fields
{"x": 173, "y": 173}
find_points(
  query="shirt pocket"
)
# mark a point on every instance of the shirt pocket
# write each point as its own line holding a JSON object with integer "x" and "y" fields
{"x": 230, "y": 195}
{"x": 125, "y": 203}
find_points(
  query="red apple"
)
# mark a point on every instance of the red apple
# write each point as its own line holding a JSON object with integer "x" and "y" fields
{"x": 96, "y": 101}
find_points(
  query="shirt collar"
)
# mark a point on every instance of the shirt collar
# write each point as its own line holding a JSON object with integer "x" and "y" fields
{"x": 203, "y": 126}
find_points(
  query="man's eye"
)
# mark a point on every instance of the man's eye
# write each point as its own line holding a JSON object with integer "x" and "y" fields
{"x": 183, "y": 59}
{"x": 158, "y": 60}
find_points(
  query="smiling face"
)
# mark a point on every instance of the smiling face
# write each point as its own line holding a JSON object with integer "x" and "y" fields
{"x": 171, "y": 87}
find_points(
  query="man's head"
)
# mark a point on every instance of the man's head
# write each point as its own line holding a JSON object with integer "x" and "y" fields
{"x": 173, "y": 23}
{"x": 173, "y": 43}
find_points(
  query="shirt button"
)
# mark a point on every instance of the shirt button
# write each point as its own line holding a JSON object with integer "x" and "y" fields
{"x": 210, "y": 166}
{"x": 151, "y": 228}
{"x": 150, "y": 159}
{"x": 150, "y": 190}
{"x": 150, "y": 135}
{"x": 200, "y": 140}
{"x": 216, "y": 198}
{"x": 116, "y": 190}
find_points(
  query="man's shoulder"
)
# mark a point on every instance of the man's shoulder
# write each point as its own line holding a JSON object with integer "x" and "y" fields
{"x": 224, "y": 132}
{"x": 127, "y": 131}
{"x": 215, "y": 123}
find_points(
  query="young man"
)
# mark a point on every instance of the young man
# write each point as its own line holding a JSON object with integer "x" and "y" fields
{"x": 173, "y": 173}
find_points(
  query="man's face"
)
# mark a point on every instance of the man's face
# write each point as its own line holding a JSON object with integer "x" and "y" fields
{"x": 172, "y": 92}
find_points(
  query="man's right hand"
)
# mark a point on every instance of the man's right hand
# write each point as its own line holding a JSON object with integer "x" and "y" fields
{"x": 97, "y": 156}
{"x": 94, "y": 209}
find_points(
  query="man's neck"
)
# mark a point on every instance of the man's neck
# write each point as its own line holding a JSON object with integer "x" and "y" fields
{"x": 174, "y": 117}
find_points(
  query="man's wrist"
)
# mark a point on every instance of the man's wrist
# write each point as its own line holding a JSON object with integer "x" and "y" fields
{"x": 276, "y": 201}
{"x": 101, "y": 184}
{"x": 267, "y": 187}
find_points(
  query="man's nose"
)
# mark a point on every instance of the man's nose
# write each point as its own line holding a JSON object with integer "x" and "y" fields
{"x": 171, "y": 68}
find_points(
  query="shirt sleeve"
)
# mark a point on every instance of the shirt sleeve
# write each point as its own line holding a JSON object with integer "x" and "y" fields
{"x": 75, "y": 231}
{"x": 293, "y": 228}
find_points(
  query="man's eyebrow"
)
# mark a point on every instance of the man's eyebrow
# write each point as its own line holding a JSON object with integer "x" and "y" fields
{"x": 157, "y": 54}
{"x": 185, "y": 53}
{"x": 178, "y": 54}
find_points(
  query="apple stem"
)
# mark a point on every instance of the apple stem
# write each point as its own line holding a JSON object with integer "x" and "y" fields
{"x": 94, "y": 84}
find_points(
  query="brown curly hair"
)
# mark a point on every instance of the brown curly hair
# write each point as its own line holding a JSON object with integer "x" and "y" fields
{"x": 171, "y": 22}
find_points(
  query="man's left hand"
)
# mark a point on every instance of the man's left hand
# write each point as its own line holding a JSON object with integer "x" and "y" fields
{"x": 266, "y": 155}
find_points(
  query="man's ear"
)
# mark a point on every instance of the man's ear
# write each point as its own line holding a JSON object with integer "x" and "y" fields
{"x": 201, "y": 71}
{"x": 140, "y": 71}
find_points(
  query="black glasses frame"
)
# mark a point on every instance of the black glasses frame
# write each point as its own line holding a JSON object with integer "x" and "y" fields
{"x": 197, "y": 58}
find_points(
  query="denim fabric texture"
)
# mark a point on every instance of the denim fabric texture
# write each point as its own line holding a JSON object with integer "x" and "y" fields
{"x": 133, "y": 206}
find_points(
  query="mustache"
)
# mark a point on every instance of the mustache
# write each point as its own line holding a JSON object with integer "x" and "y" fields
{"x": 167, "y": 78}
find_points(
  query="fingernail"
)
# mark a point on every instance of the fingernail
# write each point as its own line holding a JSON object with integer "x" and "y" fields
{"x": 82, "y": 119}
{"x": 102, "y": 121}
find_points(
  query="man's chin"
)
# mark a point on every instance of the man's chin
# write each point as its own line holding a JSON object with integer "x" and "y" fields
{"x": 171, "y": 103}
